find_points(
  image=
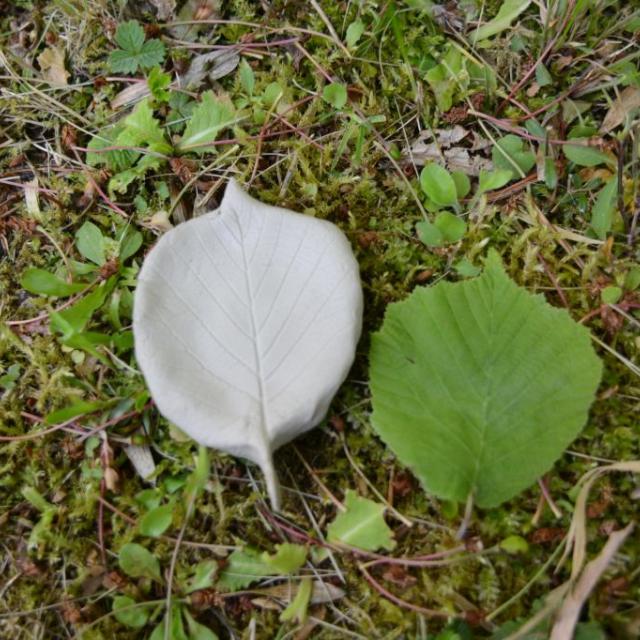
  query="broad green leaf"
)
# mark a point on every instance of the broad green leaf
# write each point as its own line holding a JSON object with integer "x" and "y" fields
{"x": 142, "y": 129}
{"x": 479, "y": 386}
{"x": 129, "y": 613}
{"x": 134, "y": 52}
{"x": 75, "y": 318}
{"x": 198, "y": 631}
{"x": 130, "y": 244}
{"x": 543, "y": 77}
{"x": 43, "y": 283}
{"x": 438, "y": 184}
{"x": 446, "y": 78}
{"x": 362, "y": 525}
{"x": 335, "y": 94}
{"x": 90, "y": 243}
{"x": 514, "y": 544}
{"x": 272, "y": 92}
{"x": 583, "y": 155}
{"x": 130, "y": 35}
{"x": 158, "y": 82}
{"x": 450, "y": 226}
{"x": 298, "y": 608}
{"x": 604, "y": 208}
{"x": 510, "y": 150}
{"x": 429, "y": 234}
{"x": 175, "y": 626}
{"x": 354, "y": 33}
{"x": 611, "y": 294}
{"x": 463, "y": 184}
{"x": 287, "y": 559}
{"x": 509, "y": 11}
{"x": 151, "y": 54}
{"x": 247, "y": 77}
{"x": 244, "y": 566}
{"x": 203, "y": 576}
{"x": 208, "y": 119}
{"x": 8, "y": 380}
{"x": 155, "y": 522}
{"x": 490, "y": 180}
{"x": 138, "y": 562}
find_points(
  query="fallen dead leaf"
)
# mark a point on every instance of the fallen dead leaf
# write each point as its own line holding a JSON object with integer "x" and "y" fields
{"x": 165, "y": 9}
{"x": 628, "y": 100}
{"x": 51, "y": 62}
{"x": 213, "y": 65}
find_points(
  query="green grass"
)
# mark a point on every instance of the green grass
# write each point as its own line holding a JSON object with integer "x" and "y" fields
{"x": 348, "y": 165}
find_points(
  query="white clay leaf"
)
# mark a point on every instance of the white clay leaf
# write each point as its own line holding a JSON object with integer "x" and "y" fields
{"x": 246, "y": 321}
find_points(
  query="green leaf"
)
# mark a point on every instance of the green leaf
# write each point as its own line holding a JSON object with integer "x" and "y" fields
{"x": 134, "y": 52}
{"x": 123, "y": 61}
{"x": 74, "y": 319}
{"x": 478, "y": 386}
{"x": 130, "y": 36}
{"x": 450, "y": 226}
{"x": 155, "y": 522}
{"x": 243, "y": 568}
{"x": 611, "y": 294}
{"x": 466, "y": 268}
{"x": 514, "y": 544}
{"x": 490, "y": 180}
{"x": 429, "y": 234}
{"x": 138, "y": 562}
{"x": 604, "y": 208}
{"x": 354, "y": 33}
{"x": 508, "y": 12}
{"x": 151, "y": 54}
{"x": 335, "y": 94}
{"x": 203, "y": 576}
{"x": 90, "y": 243}
{"x": 43, "y": 283}
{"x": 510, "y": 150}
{"x": 208, "y": 119}
{"x": 463, "y": 184}
{"x": 543, "y": 77}
{"x": 8, "y": 380}
{"x": 129, "y": 613}
{"x": 438, "y": 184}
{"x": 142, "y": 129}
{"x": 74, "y": 410}
{"x": 247, "y": 77}
{"x": 298, "y": 608}
{"x": 272, "y": 92}
{"x": 198, "y": 631}
{"x": 287, "y": 559}
{"x": 447, "y": 78}
{"x": 362, "y": 525}
{"x": 158, "y": 83}
{"x": 583, "y": 155}
{"x": 130, "y": 244}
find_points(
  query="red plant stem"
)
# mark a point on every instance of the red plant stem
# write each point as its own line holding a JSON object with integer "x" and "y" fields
{"x": 433, "y": 613}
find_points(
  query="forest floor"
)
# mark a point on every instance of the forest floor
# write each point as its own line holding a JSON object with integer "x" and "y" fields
{"x": 336, "y": 107}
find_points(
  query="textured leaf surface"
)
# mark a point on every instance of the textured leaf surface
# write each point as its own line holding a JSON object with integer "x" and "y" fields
{"x": 479, "y": 386}
{"x": 246, "y": 321}
{"x": 208, "y": 119}
{"x": 509, "y": 11}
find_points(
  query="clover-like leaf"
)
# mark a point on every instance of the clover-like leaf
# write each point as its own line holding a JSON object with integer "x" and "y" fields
{"x": 478, "y": 386}
{"x": 246, "y": 321}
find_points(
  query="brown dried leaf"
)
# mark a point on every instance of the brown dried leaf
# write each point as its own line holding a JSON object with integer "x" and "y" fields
{"x": 165, "y": 9}
{"x": 51, "y": 62}
{"x": 628, "y": 101}
{"x": 213, "y": 65}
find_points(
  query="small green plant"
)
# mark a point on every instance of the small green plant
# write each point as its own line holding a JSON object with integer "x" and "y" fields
{"x": 135, "y": 52}
{"x": 478, "y": 386}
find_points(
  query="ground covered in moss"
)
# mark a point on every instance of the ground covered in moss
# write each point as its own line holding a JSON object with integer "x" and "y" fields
{"x": 336, "y": 107}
